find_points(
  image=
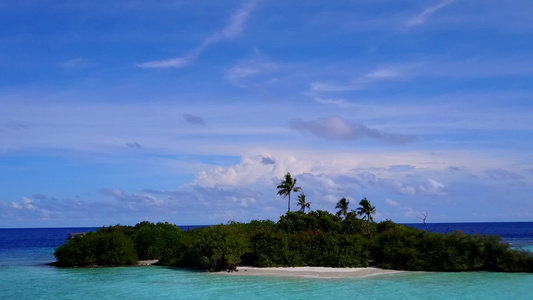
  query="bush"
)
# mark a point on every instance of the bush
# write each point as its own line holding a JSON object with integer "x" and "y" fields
{"x": 212, "y": 248}
{"x": 413, "y": 249}
{"x": 221, "y": 247}
{"x": 152, "y": 241}
{"x": 310, "y": 248}
{"x": 106, "y": 247}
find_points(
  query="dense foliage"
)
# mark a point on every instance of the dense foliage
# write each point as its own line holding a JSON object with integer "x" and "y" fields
{"x": 111, "y": 246}
{"x": 411, "y": 249}
{"x": 318, "y": 238}
{"x": 118, "y": 245}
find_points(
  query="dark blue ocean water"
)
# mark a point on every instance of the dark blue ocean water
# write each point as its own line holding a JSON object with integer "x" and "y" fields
{"x": 24, "y": 274}
{"x": 516, "y": 233}
{"x": 11, "y": 238}
{"x": 512, "y": 230}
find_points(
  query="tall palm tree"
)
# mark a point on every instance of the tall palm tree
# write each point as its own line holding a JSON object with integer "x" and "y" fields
{"x": 302, "y": 203}
{"x": 342, "y": 205}
{"x": 367, "y": 210}
{"x": 287, "y": 186}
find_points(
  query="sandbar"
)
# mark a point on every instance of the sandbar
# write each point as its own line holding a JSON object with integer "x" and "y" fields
{"x": 311, "y": 272}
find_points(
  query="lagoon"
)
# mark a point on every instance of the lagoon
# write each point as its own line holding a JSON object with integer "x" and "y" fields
{"x": 24, "y": 275}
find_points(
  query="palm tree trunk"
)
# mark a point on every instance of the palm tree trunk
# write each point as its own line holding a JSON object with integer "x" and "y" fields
{"x": 289, "y": 208}
{"x": 368, "y": 223}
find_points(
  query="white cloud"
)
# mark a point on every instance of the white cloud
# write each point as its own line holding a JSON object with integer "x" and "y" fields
{"x": 232, "y": 192}
{"x": 397, "y": 186}
{"x": 112, "y": 192}
{"x": 250, "y": 170}
{"x": 75, "y": 63}
{"x": 337, "y": 102}
{"x": 28, "y": 208}
{"x": 334, "y": 87}
{"x": 383, "y": 74}
{"x": 433, "y": 187}
{"x": 421, "y": 18}
{"x": 28, "y": 203}
{"x": 392, "y": 203}
{"x": 411, "y": 213}
{"x": 249, "y": 67}
{"x": 359, "y": 83}
{"x": 235, "y": 27}
{"x": 171, "y": 63}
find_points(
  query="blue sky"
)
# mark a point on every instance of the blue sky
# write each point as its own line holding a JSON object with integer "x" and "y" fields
{"x": 192, "y": 111}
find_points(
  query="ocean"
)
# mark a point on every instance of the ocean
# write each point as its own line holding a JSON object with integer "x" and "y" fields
{"x": 24, "y": 274}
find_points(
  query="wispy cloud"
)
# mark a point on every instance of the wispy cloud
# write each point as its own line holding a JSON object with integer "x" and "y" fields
{"x": 335, "y": 128}
{"x": 13, "y": 126}
{"x": 337, "y": 102}
{"x": 381, "y": 74}
{"x": 392, "y": 203}
{"x": 173, "y": 62}
{"x": 74, "y": 63}
{"x": 501, "y": 174}
{"x": 134, "y": 145}
{"x": 232, "y": 30}
{"x": 195, "y": 120}
{"x": 334, "y": 87}
{"x": 358, "y": 83}
{"x": 249, "y": 67}
{"x": 421, "y": 18}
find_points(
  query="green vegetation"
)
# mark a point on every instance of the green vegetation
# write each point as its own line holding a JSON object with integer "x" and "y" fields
{"x": 118, "y": 245}
{"x": 366, "y": 210}
{"x": 342, "y": 207}
{"x": 303, "y": 203}
{"x": 109, "y": 246}
{"x": 317, "y": 238}
{"x": 411, "y": 249}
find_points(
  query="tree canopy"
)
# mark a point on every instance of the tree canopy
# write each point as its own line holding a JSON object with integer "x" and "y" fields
{"x": 342, "y": 207}
{"x": 303, "y": 203}
{"x": 366, "y": 210}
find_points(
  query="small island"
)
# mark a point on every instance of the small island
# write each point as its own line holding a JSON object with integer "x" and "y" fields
{"x": 347, "y": 239}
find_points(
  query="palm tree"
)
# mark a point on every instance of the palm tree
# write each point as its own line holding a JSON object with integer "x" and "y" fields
{"x": 287, "y": 186}
{"x": 342, "y": 205}
{"x": 302, "y": 203}
{"x": 367, "y": 210}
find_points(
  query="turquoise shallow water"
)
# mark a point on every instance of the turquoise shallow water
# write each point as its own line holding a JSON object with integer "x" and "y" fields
{"x": 528, "y": 248}
{"x": 42, "y": 282}
{"x": 24, "y": 275}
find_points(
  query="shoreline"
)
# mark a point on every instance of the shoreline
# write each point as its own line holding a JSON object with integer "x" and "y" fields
{"x": 310, "y": 272}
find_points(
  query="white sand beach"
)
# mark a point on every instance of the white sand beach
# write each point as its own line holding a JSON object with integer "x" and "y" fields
{"x": 148, "y": 262}
{"x": 311, "y": 272}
